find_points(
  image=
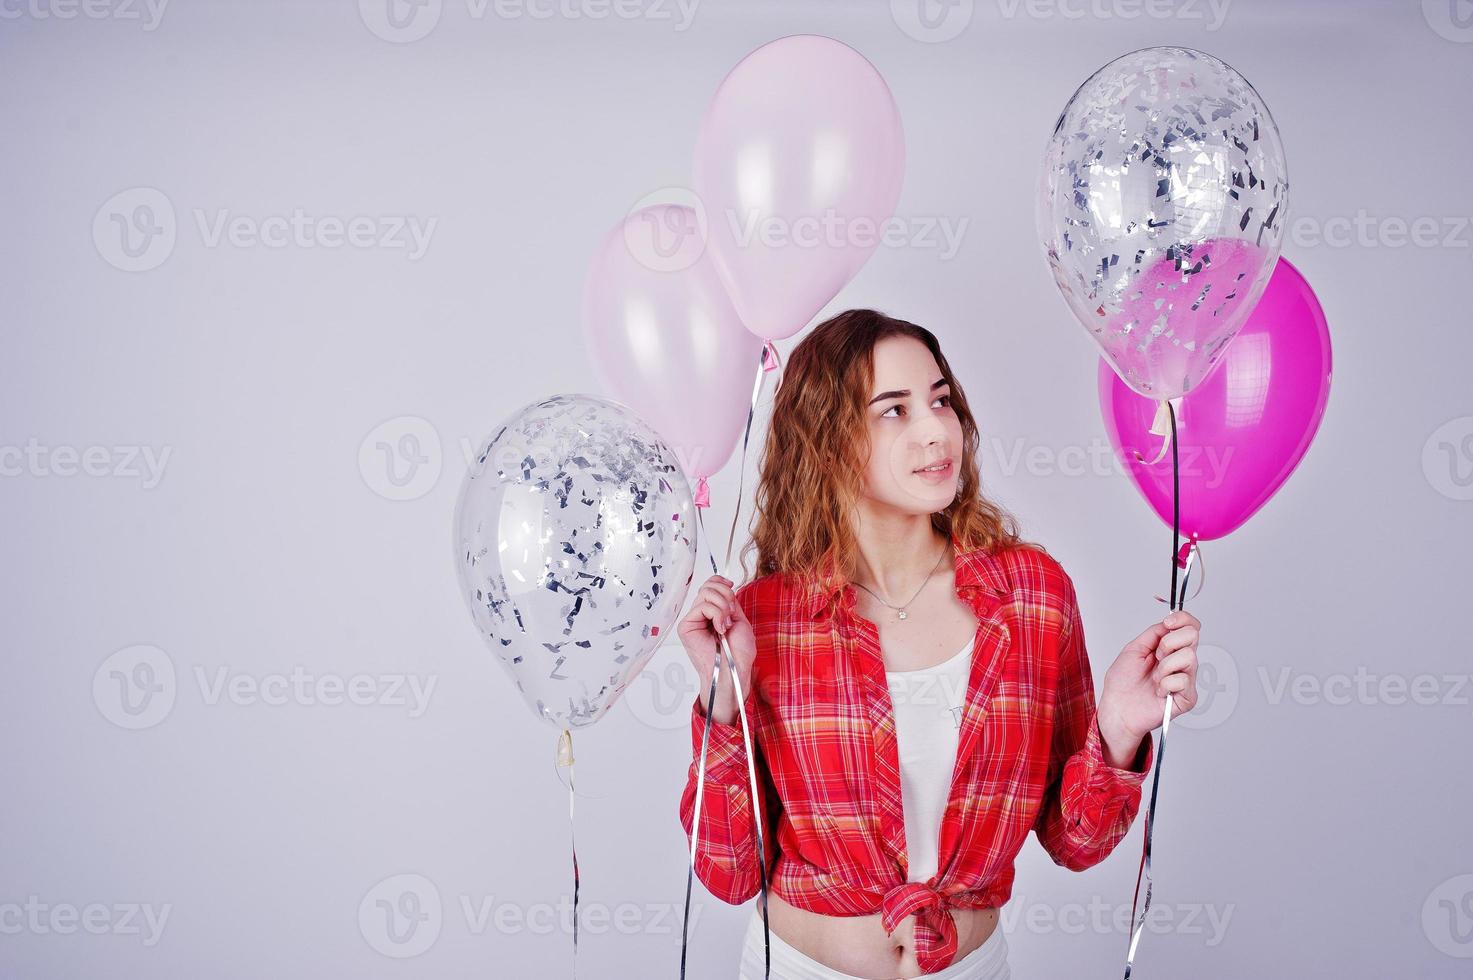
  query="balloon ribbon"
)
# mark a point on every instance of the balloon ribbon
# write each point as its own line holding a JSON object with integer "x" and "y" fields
{"x": 565, "y": 759}
{"x": 1182, "y": 556}
{"x": 768, "y": 361}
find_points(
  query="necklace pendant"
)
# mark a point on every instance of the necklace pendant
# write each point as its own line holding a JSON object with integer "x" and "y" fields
{"x": 902, "y": 614}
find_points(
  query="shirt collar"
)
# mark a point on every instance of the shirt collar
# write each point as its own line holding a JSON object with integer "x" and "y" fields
{"x": 977, "y": 572}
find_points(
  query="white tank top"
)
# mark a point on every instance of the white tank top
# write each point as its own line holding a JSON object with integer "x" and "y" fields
{"x": 928, "y": 709}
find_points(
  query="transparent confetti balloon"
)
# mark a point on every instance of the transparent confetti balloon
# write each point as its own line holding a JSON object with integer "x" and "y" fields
{"x": 1161, "y": 211}
{"x": 574, "y": 546}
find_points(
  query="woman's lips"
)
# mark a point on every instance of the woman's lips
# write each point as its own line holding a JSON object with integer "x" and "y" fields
{"x": 938, "y": 475}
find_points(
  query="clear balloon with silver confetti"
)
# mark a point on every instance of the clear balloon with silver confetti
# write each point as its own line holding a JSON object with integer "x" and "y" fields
{"x": 575, "y": 545}
{"x": 1161, "y": 210}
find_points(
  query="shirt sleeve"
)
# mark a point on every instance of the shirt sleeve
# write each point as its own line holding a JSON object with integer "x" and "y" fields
{"x": 726, "y": 854}
{"x": 1088, "y": 805}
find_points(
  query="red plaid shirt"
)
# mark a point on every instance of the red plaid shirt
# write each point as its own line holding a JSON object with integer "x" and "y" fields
{"x": 1030, "y": 755}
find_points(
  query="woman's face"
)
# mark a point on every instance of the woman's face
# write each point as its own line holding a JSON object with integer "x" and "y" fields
{"x": 912, "y": 430}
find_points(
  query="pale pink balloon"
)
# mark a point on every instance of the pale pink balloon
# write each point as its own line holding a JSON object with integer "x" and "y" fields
{"x": 799, "y": 163}
{"x": 665, "y": 339}
{"x": 1244, "y": 429}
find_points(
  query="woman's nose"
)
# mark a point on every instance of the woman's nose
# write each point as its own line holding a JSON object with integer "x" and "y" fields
{"x": 928, "y": 430}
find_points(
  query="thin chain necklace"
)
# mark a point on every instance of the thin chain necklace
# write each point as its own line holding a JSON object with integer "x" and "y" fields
{"x": 900, "y": 610}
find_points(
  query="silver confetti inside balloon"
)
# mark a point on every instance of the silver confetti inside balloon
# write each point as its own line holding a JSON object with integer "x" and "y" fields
{"x": 1161, "y": 211}
{"x": 575, "y": 547}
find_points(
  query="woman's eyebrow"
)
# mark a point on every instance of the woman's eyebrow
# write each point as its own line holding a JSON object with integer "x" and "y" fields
{"x": 903, "y": 392}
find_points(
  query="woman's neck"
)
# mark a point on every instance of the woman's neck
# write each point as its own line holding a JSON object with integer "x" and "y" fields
{"x": 897, "y": 554}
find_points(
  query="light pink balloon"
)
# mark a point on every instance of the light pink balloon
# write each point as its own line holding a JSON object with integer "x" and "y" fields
{"x": 799, "y": 163}
{"x": 665, "y": 339}
{"x": 1244, "y": 429}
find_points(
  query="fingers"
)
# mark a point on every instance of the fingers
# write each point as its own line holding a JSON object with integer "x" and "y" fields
{"x": 1180, "y": 617}
{"x": 715, "y": 604}
{"x": 1178, "y": 630}
{"x": 700, "y": 617}
{"x": 1174, "y": 684}
{"x": 1148, "y": 638}
{"x": 1183, "y": 661}
{"x": 1177, "y": 639}
{"x": 711, "y": 604}
{"x": 714, "y": 613}
{"x": 718, "y": 592}
{"x": 1174, "y": 643}
{"x": 716, "y": 585}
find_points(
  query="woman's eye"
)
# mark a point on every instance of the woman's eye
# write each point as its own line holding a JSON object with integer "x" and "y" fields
{"x": 946, "y": 400}
{"x": 893, "y": 408}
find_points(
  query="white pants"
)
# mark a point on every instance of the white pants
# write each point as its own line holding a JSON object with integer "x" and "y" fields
{"x": 987, "y": 962}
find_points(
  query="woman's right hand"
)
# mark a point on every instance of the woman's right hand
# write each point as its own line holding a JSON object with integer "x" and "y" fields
{"x": 717, "y": 611}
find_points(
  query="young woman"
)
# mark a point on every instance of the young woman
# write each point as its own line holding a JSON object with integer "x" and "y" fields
{"x": 915, "y": 678}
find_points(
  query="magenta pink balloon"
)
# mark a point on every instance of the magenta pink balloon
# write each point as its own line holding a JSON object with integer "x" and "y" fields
{"x": 664, "y": 338}
{"x": 798, "y": 163}
{"x": 1243, "y": 430}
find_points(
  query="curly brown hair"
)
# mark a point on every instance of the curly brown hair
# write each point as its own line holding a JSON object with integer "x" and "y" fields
{"x": 817, "y": 447}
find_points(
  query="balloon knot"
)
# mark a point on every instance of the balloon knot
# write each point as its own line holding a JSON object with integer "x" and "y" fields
{"x": 770, "y": 360}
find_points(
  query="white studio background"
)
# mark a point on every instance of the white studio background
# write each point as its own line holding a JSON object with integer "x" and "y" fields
{"x": 276, "y": 431}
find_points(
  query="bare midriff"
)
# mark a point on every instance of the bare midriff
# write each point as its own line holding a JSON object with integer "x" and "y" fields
{"x": 858, "y": 944}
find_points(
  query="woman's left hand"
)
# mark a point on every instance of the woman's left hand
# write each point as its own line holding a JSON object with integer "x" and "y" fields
{"x": 1161, "y": 662}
